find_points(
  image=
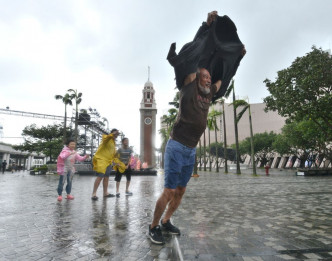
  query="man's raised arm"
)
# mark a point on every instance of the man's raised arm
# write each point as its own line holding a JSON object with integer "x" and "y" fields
{"x": 212, "y": 16}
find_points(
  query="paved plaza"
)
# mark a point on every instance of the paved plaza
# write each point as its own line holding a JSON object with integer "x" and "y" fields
{"x": 222, "y": 217}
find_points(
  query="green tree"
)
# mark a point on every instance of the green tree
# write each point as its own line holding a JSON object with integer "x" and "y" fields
{"x": 225, "y": 136}
{"x": 246, "y": 106}
{"x": 212, "y": 125}
{"x": 216, "y": 149}
{"x": 204, "y": 152}
{"x": 262, "y": 144}
{"x": 222, "y": 102}
{"x": 77, "y": 97}
{"x": 301, "y": 139}
{"x": 45, "y": 139}
{"x": 66, "y": 99}
{"x": 238, "y": 170}
{"x": 281, "y": 145}
{"x": 168, "y": 119}
{"x": 303, "y": 91}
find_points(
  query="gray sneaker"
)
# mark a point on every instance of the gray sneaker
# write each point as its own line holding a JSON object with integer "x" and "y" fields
{"x": 129, "y": 193}
{"x": 156, "y": 236}
{"x": 169, "y": 227}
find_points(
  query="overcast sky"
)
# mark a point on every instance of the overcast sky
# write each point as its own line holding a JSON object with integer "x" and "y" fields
{"x": 103, "y": 48}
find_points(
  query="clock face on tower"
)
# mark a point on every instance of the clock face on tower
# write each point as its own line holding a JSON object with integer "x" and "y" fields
{"x": 147, "y": 121}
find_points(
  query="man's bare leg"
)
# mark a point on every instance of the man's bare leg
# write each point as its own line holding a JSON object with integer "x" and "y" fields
{"x": 127, "y": 186}
{"x": 105, "y": 185}
{"x": 161, "y": 205}
{"x": 117, "y": 186}
{"x": 96, "y": 185}
{"x": 174, "y": 203}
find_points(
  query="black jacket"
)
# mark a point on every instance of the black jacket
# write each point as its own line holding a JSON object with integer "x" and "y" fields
{"x": 216, "y": 48}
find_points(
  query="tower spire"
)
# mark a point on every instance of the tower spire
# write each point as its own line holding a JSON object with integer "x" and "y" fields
{"x": 148, "y": 73}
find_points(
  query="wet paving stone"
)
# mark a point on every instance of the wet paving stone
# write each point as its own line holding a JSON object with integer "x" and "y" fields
{"x": 222, "y": 217}
{"x": 35, "y": 226}
{"x": 279, "y": 217}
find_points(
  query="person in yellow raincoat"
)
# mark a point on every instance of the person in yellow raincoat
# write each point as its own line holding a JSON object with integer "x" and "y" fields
{"x": 105, "y": 157}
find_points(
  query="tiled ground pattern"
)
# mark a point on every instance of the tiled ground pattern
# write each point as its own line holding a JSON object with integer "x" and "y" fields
{"x": 242, "y": 217}
{"x": 222, "y": 217}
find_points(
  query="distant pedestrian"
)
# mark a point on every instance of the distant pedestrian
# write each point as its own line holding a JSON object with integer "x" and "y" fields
{"x": 4, "y": 165}
{"x": 13, "y": 167}
{"x": 104, "y": 157}
{"x": 65, "y": 167}
{"x": 138, "y": 164}
{"x": 267, "y": 167}
{"x": 133, "y": 162}
{"x": 144, "y": 165}
{"x": 125, "y": 154}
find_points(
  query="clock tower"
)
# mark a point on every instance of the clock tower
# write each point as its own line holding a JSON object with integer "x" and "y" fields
{"x": 148, "y": 112}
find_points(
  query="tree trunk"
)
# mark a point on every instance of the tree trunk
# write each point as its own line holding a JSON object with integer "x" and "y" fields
{"x": 76, "y": 123}
{"x": 195, "y": 165}
{"x": 200, "y": 155}
{"x": 225, "y": 139}
{"x": 65, "y": 126}
{"x": 252, "y": 144}
{"x": 238, "y": 170}
{"x": 210, "y": 165}
{"x": 204, "y": 149}
{"x": 217, "y": 161}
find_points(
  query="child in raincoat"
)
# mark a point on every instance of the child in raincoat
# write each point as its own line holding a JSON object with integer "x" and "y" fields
{"x": 65, "y": 167}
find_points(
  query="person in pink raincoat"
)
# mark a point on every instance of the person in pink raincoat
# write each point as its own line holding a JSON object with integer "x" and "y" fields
{"x": 65, "y": 167}
{"x": 133, "y": 162}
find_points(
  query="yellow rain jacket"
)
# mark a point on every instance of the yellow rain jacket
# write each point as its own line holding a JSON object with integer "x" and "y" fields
{"x": 106, "y": 155}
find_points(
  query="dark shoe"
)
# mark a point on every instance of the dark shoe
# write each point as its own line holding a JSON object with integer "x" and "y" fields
{"x": 170, "y": 228}
{"x": 156, "y": 236}
{"x": 94, "y": 198}
{"x": 117, "y": 195}
{"x": 109, "y": 196}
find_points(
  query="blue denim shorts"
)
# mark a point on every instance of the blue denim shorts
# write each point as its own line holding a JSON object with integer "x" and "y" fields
{"x": 107, "y": 173}
{"x": 178, "y": 163}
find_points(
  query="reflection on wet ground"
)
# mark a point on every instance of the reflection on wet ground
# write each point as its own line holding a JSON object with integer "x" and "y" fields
{"x": 222, "y": 217}
{"x": 279, "y": 217}
{"x": 34, "y": 226}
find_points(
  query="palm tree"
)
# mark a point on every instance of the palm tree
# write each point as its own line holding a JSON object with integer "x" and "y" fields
{"x": 212, "y": 125}
{"x": 238, "y": 170}
{"x": 204, "y": 151}
{"x": 66, "y": 99}
{"x": 78, "y": 99}
{"x": 222, "y": 101}
{"x": 209, "y": 138}
{"x": 200, "y": 155}
{"x": 246, "y": 106}
{"x": 225, "y": 137}
{"x": 169, "y": 120}
{"x": 164, "y": 138}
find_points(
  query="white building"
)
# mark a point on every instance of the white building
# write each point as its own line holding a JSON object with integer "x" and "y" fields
{"x": 261, "y": 122}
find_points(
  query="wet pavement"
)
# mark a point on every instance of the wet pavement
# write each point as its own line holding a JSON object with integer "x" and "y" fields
{"x": 242, "y": 217}
{"x": 35, "y": 226}
{"x": 222, "y": 217}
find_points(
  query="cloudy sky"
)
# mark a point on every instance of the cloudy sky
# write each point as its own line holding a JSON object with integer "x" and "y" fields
{"x": 103, "y": 48}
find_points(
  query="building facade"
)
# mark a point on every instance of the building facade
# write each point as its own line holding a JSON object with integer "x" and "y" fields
{"x": 148, "y": 112}
{"x": 23, "y": 160}
{"x": 261, "y": 122}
